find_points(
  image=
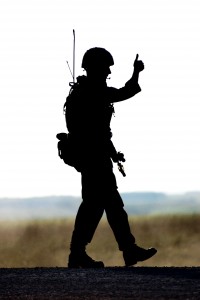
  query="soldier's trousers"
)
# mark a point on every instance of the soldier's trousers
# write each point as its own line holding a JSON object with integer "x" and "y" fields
{"x": 99, "y": 194}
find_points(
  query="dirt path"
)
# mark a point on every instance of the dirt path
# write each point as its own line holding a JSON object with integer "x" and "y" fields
{"x": 108, "y": 283}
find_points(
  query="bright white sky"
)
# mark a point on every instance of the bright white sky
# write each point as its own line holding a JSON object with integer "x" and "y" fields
{"x": 158, "y": 130}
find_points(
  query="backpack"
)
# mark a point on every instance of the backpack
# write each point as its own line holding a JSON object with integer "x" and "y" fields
{"x": 66, "y": 147}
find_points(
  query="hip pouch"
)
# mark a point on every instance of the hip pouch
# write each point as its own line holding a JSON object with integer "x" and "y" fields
{"x": 67, "y": 150}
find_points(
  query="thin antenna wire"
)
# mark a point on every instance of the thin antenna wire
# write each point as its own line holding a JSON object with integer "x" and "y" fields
{"x": 74, "y": 57}
{"x": 70, "y": 70}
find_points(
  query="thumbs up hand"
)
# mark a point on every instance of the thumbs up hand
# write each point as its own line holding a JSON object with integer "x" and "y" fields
{"x": 138, "y": 64}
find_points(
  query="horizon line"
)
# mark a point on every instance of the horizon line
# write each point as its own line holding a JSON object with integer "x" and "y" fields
{"x": 121, "y": 193}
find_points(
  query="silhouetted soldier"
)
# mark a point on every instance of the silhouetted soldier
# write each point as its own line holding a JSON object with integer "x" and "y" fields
{"x": 88, "y": 110}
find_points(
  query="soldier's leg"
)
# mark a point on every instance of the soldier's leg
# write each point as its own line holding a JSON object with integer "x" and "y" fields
{"x": 87, "y": 220}
{"x": 118, "y": 220}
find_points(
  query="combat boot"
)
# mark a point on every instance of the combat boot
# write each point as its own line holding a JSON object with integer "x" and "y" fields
{"x": 82, "y": 260}
{"x": 136, "y": 254}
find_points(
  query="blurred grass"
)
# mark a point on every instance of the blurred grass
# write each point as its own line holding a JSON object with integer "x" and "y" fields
{"x": 45, "y": 243}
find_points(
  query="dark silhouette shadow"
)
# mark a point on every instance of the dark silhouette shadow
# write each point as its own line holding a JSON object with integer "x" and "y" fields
{"x": 89, "y": 149}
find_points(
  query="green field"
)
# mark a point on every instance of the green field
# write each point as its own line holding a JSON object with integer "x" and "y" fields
{"x": 45, "y": 243}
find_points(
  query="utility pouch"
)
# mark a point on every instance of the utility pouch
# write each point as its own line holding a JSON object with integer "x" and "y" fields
{"x": 66, "y": 150}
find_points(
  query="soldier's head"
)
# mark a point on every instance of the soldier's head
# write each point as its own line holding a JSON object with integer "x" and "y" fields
{"x": 97, "y": 61}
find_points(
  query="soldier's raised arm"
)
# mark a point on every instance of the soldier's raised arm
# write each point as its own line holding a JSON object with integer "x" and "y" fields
{"x": 131, "y": 87}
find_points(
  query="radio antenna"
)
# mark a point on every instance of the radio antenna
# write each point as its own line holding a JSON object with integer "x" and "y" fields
{"x": 74, "y": 57}
{"x": 72, "y": 73}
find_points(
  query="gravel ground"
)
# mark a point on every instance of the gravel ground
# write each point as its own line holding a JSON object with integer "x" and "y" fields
{"x": 108, "y": 283}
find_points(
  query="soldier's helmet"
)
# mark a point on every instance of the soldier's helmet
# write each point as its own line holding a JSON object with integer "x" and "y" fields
{"x": 96, "y": 57}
